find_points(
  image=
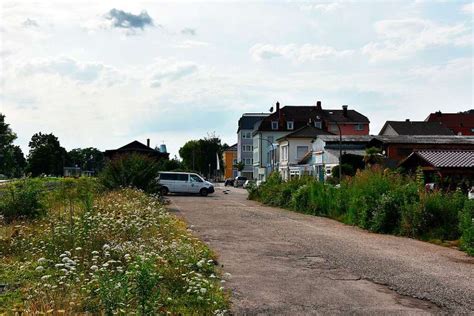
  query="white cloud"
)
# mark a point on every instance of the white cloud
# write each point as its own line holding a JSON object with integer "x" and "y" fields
{"x": 468, "y": 8}
{"x": 67, "y": 67}
{"x": 168, "y": 70}
{"x": 191, "y": 44}
{"x": 296, "y": 53}
{"x": 403, "y": 38}
{"x": 323, "y": 7}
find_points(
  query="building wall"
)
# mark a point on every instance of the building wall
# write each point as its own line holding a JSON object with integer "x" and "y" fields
{"x": 388, "y": 131}
{"x": 230, "y": 158}
{"x": 246, "y": 157}
{"x": 292, "y": 144}
{"x": 349, "y": 129}
{"x": 262, "y": 165}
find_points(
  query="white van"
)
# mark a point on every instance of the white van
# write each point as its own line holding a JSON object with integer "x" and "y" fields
{"x": 183, "y": 182}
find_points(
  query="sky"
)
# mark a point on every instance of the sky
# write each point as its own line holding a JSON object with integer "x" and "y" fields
{"x": 104, "y": 73}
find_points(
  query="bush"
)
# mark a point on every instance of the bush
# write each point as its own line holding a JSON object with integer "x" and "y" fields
{"x": 466, "y": 226}
{"x": 135, "y": 170}
{"x": 21, "y": 200}
{"x": 380, "y": 201}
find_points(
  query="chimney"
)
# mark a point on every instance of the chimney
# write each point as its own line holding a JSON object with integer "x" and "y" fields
{"x": 344, "y": 110}
{"x": 318, "y": 105}
{"x": 407, "y": 120}
{"x": 147, "y": 142}
{"x": 277, "y": 106}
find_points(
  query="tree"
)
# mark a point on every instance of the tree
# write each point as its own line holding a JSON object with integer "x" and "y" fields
{"x": 240, "y": 166}
{"x": 372, "y": 156}
{"x": 12, "y": 160}
{"x": 46, "y": 155}
{"x": 170, "y": 164}
{"x": 89, "y": 158}
{"x": 200, "y": 155}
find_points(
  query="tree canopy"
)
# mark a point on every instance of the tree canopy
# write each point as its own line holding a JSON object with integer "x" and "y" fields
{"x": 90, "y": 158}
{"x": 12, "y": 160}
{"x": 200, "y": 155}
{"x": 46, "y": 155}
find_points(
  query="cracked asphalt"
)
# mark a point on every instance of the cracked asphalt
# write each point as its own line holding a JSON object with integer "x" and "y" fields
{"x": 285, "y": 263}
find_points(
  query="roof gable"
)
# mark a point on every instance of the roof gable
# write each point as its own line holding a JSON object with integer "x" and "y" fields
{"x": 444, "y": 158}
{"x": 136, "y": 145}
{"x": 417, "y": 128}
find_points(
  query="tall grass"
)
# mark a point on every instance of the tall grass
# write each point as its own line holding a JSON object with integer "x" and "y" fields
{"x": 380, "y": 201}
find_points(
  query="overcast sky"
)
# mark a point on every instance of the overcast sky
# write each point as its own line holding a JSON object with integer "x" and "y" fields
{"x": 103, "y": 73}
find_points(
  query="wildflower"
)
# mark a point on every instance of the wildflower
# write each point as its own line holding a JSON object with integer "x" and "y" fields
{"x": 78, "y": 248}
{"x": 203, "y": 290}
{"x": 45, "y": 277}
{"x": 105, "y": 247}
{"x": 39, "y": 268}
{"x": 59, "y": 265}
{"x": 42, "y": 260}
{"x": 94, "y": 268}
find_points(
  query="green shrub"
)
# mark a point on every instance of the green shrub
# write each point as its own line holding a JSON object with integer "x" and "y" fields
{"x": 135, "y": 170}
{"x": 466, "y": 226}
{"x": 21, "y": 200}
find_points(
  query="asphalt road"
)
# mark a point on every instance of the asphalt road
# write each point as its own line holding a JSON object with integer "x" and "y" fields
{"x": 282, "y": 262}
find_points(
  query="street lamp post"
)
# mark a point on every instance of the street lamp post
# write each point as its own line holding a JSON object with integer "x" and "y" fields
{"x": 273, "y": 154}
{"x": 340, "y": 149}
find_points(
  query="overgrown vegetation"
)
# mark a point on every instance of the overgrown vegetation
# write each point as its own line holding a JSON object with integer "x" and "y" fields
{"x": 131, "y": 170}
{"x": 383, "y": 202}
{"x": 102, "y": 252}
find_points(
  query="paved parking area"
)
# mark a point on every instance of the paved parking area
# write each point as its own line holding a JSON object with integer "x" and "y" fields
{"x": 286, "y": 263}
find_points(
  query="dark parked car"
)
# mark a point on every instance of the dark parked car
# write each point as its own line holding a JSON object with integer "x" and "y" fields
{"x": 239, "y": 181}
{"x": 229, "y": 181}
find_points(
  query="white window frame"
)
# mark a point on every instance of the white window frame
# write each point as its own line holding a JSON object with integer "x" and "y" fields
{"x": 290, "y": 125}
{"x": 318, "y": 124}
{"x": 274, "y": 125}
{"x": 359, "y": 127}
{"x": 306, "y": 151}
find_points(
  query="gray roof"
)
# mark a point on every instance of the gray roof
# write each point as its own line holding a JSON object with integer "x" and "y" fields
{"x": 248, "y": 120}
{"x": 307, "y": 131}
{"x": 446, "y": 158}
{"x": 417, "y": 128}
{"x": 432, "y": 139}
{"x": 347, "y": 138}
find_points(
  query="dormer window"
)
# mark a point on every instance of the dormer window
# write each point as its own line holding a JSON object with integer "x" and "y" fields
{"x": 318, "y": 124}
{"x": 289, "y": 125}
{"x": 274, "y": 125}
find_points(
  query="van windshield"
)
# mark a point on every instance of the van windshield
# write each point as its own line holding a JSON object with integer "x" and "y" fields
{"x": 195, "y": 178}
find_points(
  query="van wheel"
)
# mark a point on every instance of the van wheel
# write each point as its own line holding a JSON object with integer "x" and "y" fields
{"x": 164, "y": 191}
{"x": 203, "y": 192}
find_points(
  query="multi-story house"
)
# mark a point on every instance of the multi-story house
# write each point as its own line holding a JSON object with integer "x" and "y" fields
{"x": 230, "y": 160}
{"x": 245, "y": 142}
{"x": 461, "y": 123}
{"x": 288, "y": 119}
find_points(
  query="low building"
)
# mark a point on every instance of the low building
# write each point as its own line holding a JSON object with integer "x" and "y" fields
{"x": 397, "y": 148}
{"x": 293, "y": 147}
{"x": 407, "y": 127}
{"x": 230, "y": 160}
{"x": 453, "y": 166}
{"x": 461, "y": 123}
{"x": 326, "y": 150}
{"x": 136, "y": 147}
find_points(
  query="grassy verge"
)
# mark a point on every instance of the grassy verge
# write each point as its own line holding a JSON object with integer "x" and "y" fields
{"x": 382, "y": 202}
{"x": 113, "y": 252}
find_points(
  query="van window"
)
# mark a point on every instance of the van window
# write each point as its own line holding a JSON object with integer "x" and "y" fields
{"x": 182, "y": 177}
{"x": 167, "y": 176}
{"x": 195, "y": 178}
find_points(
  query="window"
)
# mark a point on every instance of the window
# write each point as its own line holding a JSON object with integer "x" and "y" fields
{"x": 182, "y": 177}
{"x": 247, "y": 135}
{"x": 248, "y": 161}
{"x": 289, "y": 125}
{"x": 333, "y": 128}
{"x": 274, "y": 125}
{"x": 195, "y": 178}
{"x": 234, "y": 162}
{"x": 247, "y": 148}
{"x": 359, "y": 127}
{"x": 318, "y": 124}
{"x": 284, "y": 153}
{"x": 301, "y": 151}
